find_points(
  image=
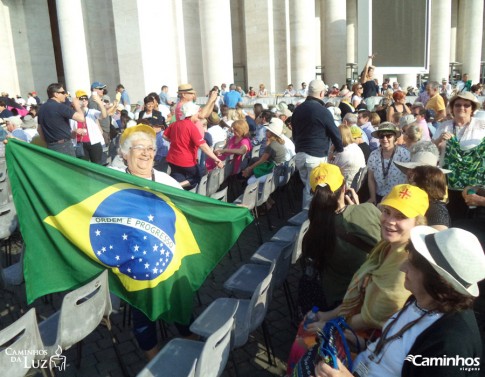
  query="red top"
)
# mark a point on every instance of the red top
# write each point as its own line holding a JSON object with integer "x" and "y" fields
{"x": 184, "y": 139}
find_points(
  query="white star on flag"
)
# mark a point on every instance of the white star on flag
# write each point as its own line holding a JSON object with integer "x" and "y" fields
{"x": 150, "y": 217}
{"x": 125, "y": 236}
{"x": 98, "y": 232}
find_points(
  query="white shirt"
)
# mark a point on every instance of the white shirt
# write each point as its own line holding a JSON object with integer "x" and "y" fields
{"x": 350, "y": 161}
{"x": 394, "y": 353}
{"x": 160, "y": 177}
{"x": 469, "y": 136}
{"x": 289, "y": 147}
{"x": 217, "y": 133}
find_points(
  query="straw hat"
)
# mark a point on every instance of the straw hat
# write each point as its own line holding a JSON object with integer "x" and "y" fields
{"x": 275, "y": 126}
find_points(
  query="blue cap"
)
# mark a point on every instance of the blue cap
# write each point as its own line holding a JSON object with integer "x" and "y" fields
{"x": 97, "y": 85}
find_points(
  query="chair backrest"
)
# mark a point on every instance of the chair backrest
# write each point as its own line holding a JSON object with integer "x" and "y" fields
{"x": 220, "y": 195}
{"x": 298, "y": 242}
{"x": 279, "y": 174}
{"x": 268, "y": 188}
{"x": 202, "y": 186}
{"x": 228, "y": 167}
{"x": 283, "y": 264}
{"x": 219, "y": 145}
{"x": 244, "y": 162}
{"x": 359, "y": 178}
{"x": 213, "y": 182}
{"x": 250, "y": 195}
{"x": 214, "y": 355}
{"x": 83, "y": 310}
{"x": 290, "y": 169}
{"x": 255, "y": 151}
{"x": 22, "y": 335}
{"x": 259, "y": 303}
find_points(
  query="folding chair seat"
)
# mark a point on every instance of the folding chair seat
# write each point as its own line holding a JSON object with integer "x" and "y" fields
{"x": 183, "y": 357}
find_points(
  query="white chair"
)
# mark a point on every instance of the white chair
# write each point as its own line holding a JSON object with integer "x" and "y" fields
{"x": 202, "y": 186}
{"x": 213, "y": 182}
{"x": 250, "y": 315}
{"x": 82, "y": 310}
{"x": 299, "y": 218}
{"x": 359, "y": 179}
{"x": 255, "y": 151}
{"x": 21, "y": 336}
{"x": 248, "y": 199}
{"x": 220, "y": 195}
{"x": 183, "y": 357}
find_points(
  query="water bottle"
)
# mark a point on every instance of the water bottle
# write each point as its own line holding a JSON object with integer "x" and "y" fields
{"x": 311, "y": 317}
{"x": 471, "y": 192}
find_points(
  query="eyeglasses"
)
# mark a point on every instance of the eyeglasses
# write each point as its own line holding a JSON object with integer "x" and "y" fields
{"x": 83, "y": 99}
{"x": 141, "y": 148}
{"x": 61, "y": 92}
{"x": 387, "y": 136}
{"x": 465, "y": 105}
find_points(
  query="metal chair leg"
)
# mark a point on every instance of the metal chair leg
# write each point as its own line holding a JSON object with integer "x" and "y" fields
{"x": 268, "y": 344}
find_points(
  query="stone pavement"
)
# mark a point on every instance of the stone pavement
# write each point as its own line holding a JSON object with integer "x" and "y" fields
{"x": 98, "y": 356}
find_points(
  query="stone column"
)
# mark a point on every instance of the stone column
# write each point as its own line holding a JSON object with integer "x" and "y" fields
{"x": 335, "y": 54}
{"x": 260, "y": 43}
{"x": 73, "y": 44}
{"x": 472, "y": 31}
{"x": 216, "y": 39}
{"x": 351, "y": 31}
{"x": 302, "y": 21}
{"x": 406, "y": 80}
{"x": 440, "y": 45}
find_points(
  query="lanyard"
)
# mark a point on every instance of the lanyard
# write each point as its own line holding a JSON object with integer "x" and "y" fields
{"x": 385, "y": 170}
{"x": 384, "y": 339}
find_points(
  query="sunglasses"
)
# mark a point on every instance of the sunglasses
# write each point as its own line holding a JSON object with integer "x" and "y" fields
{"x": 465, "y": 105}
{"x": 62, "y": 92}
{"x": 387, "y": 136}
{"x": 83, "y": 99}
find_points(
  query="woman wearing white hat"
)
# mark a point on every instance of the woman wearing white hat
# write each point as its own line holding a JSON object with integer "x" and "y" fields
{"x": 436, "y": 333}
{"x": 274, "y": 153}
{"x": 461, "y": 142}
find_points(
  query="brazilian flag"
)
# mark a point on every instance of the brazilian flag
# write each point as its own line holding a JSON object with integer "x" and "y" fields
{"x": 78, "y": 218}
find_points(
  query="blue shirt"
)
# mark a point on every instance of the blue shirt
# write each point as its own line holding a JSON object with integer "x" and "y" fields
{"x": 162, "y": 147}
{"x": 20, "y": 134}
{"x": 372, "y": 141}
{"x": 232, "y": 98}
{"x": 125, "y": 99}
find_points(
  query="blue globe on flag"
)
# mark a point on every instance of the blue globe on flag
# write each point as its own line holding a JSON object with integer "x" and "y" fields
{"x": 133, "y": 230}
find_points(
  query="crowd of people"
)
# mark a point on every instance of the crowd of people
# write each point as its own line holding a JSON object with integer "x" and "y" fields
{"x": 395, "y": 194}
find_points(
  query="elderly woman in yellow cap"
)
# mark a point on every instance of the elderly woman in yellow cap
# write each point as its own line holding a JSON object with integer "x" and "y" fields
{"x": 377, "y": 290}
{"x": 436, "y": 333}
{"x": 138, "y": 148}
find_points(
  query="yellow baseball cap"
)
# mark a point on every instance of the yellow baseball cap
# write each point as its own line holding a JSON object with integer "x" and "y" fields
{"x": 138, "y": 128}
{"x": 410, "y": 200}
{"x": 326, "y": 174}
{"x": 355, "y": 131}
{"x": 81, "y": 93}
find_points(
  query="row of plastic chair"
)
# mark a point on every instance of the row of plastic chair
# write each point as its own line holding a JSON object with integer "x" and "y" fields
{"x": 81, "y": 312}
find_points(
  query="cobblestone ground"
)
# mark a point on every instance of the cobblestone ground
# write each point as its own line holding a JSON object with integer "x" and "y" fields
{"x": 98, "y": 355}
